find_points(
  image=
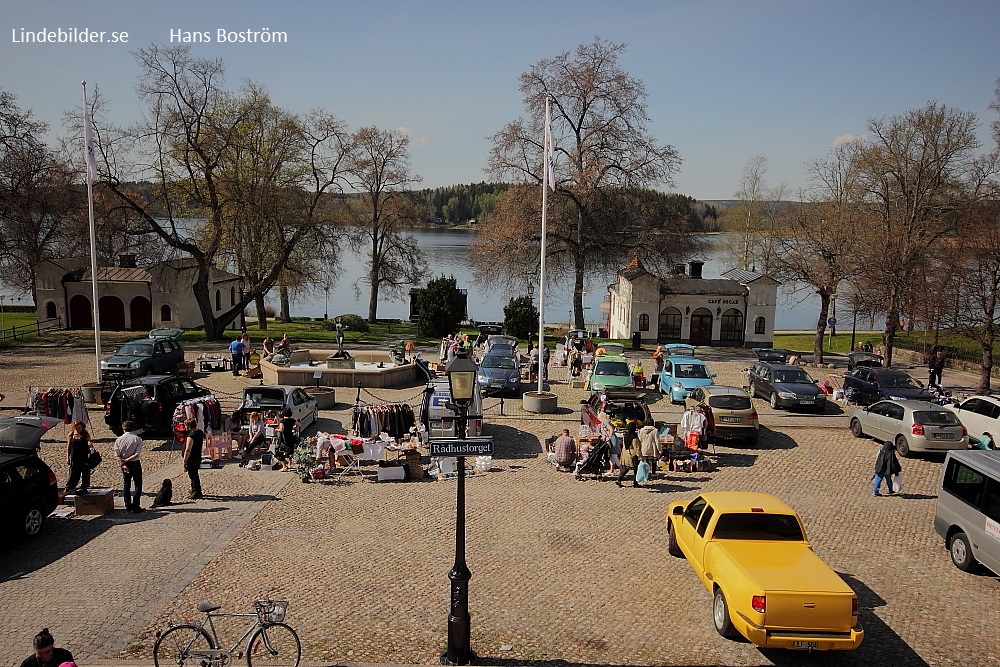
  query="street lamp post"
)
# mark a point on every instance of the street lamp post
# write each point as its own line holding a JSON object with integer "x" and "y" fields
{"x": 833, "y": 318}
{"x": 242, "y": 284}
{"x": 461, "y": 372}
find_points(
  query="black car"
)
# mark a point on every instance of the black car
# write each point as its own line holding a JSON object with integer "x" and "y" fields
{"x": 785, "y": 386}
{"x": 159, "y": 353}
{"x": 28, "y": 487}
{"x": 867, "y": 385}
{"x": 148, "y": 401}
{"x": 857, "y": 359}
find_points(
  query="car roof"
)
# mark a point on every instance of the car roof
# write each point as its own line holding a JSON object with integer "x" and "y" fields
{"x": 983, "y": 397}
{"x": 609, "y": 357}
{"x": 721, "y": 390}
{"x": 781, "y": 367}
{"x": 743, "y": 501}
{"x": 914, "y": 405}
{"x": 690, "y": 360}
{"x": 984, "y": 460}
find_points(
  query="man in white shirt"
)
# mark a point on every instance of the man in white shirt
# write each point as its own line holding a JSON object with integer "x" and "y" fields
{"x": 128, "y": 450}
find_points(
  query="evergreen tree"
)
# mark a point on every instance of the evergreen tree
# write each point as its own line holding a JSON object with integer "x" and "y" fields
{"x": 441, "y": 307}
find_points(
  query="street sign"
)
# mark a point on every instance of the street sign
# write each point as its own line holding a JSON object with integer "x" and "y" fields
{"x": 460, "y": 447}
{"x": 831, "y": 321}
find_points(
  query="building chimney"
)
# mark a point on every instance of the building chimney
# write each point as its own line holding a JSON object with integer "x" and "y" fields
{"x": 696, "y": 269}
{"x": 126, "y": 261}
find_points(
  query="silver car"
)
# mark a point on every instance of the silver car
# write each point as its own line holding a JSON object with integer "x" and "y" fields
{"x": 916, "y": 426}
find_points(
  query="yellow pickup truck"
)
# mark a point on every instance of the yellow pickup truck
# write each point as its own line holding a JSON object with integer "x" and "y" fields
{"x": 751, "y": 553}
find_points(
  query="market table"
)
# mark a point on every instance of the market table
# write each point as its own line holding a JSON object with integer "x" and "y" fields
{"x": 214, "y": 364}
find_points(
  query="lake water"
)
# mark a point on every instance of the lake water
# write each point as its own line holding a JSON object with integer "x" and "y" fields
{"x": 447, "y": 252}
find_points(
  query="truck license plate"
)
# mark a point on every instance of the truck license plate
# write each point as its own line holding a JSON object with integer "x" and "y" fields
{"x": 805, "y": 645}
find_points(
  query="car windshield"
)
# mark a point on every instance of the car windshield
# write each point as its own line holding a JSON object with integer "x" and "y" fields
{"x": 936, "y": 417}
{"x": 690, "y": 371}
{"x": 264, "y": 399}
{"x": 758, "y": 526}
{"x": 136, "y": 350}
{"x": 500, "y": 348}
{"x": 497, "y": 361}
{"x": 897, "y": 380}
{"x": 612, "y": 368}
{"x": 729, "y": 402}
{"x": 793, "y": 377}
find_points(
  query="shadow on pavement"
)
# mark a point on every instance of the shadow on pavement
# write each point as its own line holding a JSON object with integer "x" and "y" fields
{"x": 512, "y": 443}
{"x": 59, "y": 537}
{"x": 731, "y": 460}
{"x": 770, "y": 439}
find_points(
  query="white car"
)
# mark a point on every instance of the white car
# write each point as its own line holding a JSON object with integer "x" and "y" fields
{"x": 979, "y": 414}
{"x": 270, "y": 400}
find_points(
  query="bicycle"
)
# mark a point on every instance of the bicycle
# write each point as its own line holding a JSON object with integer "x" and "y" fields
{"x": 269, "y": 641}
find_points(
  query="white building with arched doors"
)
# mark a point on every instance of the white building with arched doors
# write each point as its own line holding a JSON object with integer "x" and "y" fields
{"x": 736, "y": 309}
{"x": 130, "y": 297}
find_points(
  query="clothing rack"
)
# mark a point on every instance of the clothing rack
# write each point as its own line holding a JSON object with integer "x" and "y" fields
{"x": 64, "y": 403}
{"x": 395, "y": 419}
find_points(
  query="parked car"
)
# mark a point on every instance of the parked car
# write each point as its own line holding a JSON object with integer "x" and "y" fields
{"x": 28, "y": 488}
{"x": 916, "y": 426}
{"x": 681, "y": 374}
{"x": 500, "y": 339}
{"x": 785, "y": 386}
{"x": 580, "y": 336}
{"x": 967, "y": 515}
{"x": 499, "y": 348}
{"x": 499, "y": 374}
{"x": 439, "y": 420}
{"x": 730, "y": 413}
{"x": 608, "y": 371}
{"x": 874, "y": 384}
{"x": 485, "y": 331}
{"x": 767, "y": 584}
{"x": 979, "y": 414}
{"x": 857, "y": 359}
{"x": 159, "y": 353}
{"x": 270, "y": 400}
{"x": 679, "y": 349}
{"x": 621, "y": 404}
{"x": 152, "y": 408}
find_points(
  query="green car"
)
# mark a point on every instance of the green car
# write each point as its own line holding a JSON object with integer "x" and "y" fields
{"x": 609, "y": 371}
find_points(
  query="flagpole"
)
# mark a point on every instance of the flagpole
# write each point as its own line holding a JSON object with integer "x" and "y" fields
{"x": 91, "y": 169}
{"x": 546, "y": 183}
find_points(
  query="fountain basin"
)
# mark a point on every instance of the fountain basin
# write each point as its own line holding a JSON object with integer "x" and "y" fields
{"x": 363, "y": 368}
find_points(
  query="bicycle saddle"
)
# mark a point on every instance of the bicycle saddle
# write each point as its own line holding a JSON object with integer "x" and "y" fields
{"x": 205, "y": 607}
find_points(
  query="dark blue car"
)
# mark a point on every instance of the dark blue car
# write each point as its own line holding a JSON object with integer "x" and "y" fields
{"x": 875, "y": 384}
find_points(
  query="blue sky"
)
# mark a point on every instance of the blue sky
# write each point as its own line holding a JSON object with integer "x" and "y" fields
{"x": 726, "y": 80}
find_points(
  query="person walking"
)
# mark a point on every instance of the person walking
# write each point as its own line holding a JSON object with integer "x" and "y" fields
{"x": 936, "y": 368}
{"x": 236, "y": 351}
{"x": 657, "y": 366}
{"x": 629, "y": 456}
{"x": 649, "y": 445}
{"x": 886, "y": 465}
{"x": 193, "y": 446}
{"x": 544, "y": 362}
{"x": 45, "y": 652}
{"x": 77, "y": 456}
{"x": 128, "y": 450}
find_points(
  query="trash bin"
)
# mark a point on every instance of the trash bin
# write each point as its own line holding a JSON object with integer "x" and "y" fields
{"x": 636, "y": 340}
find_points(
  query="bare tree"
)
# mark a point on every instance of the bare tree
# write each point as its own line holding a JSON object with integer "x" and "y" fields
{"x": 919, "y": 173}
{"x": 42, "y": 211}
{"x": 379, "y": 171}
{"x": 193, "y": 143}
{"x": 605, "y": 159}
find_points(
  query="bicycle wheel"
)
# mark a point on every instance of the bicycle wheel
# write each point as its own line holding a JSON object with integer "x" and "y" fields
{"x": 176, "y": 643}
{"x": 274, "y": 645}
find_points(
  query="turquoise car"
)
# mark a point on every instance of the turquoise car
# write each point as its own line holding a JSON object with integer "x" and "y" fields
{"x": 682, "y": 373}
{"x": 609, "y": 371}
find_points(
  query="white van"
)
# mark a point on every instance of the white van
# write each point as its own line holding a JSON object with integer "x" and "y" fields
{"x": 438, "y": 420}
{"x": 968, "y": 508}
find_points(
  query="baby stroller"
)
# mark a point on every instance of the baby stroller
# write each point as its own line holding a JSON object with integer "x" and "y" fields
{"x": 597, "y": 463}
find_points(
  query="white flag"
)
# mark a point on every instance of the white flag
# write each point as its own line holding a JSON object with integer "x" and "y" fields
{"x": 88, "y": 141}
{"x": 549, "y": 176}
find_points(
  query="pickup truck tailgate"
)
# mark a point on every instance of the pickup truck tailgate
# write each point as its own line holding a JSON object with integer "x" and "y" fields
{"x": 801, "y": 590}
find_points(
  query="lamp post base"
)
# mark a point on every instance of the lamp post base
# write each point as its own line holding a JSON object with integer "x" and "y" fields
{"x": 470, "y": 660}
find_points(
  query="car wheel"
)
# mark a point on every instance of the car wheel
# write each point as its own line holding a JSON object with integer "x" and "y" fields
{"x": 856, "y": 429}
{"x": 902, "y": 446}
{"x": 774, "y": 400}
{"x": 720, "y": 615}
{"x": 673, "y": 548}
{"x": 34, "y": 519}
{"x": 753, "y": 390}
{"x": 961, "y": 552}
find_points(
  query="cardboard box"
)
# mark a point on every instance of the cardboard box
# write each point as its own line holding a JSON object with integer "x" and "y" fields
{"x": 391, "y": 473}
{"x": 96, "y": 503}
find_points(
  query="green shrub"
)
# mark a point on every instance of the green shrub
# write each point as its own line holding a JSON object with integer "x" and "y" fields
{"x": 352, "y": 322}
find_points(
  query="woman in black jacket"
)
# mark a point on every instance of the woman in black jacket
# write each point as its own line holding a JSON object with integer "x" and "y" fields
{"x": 886, "y": 465}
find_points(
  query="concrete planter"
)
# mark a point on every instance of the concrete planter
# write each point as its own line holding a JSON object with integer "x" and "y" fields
{"x": 91, "y": 392}
{"x": 540, "y": 402}
{"x": 326, "y": 397}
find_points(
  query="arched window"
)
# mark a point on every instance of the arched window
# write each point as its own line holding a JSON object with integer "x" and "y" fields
{"x": 643, "y": 322}
{"x": 50, "y": 310}
{"x": 732, "y": 325}
{"x": 669, "y": 325}
{"x": 165, "y": 313}
{"x": 758, "y": 326}
{"x": 218, "y": 299}
{"x": 232, "y": 296}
